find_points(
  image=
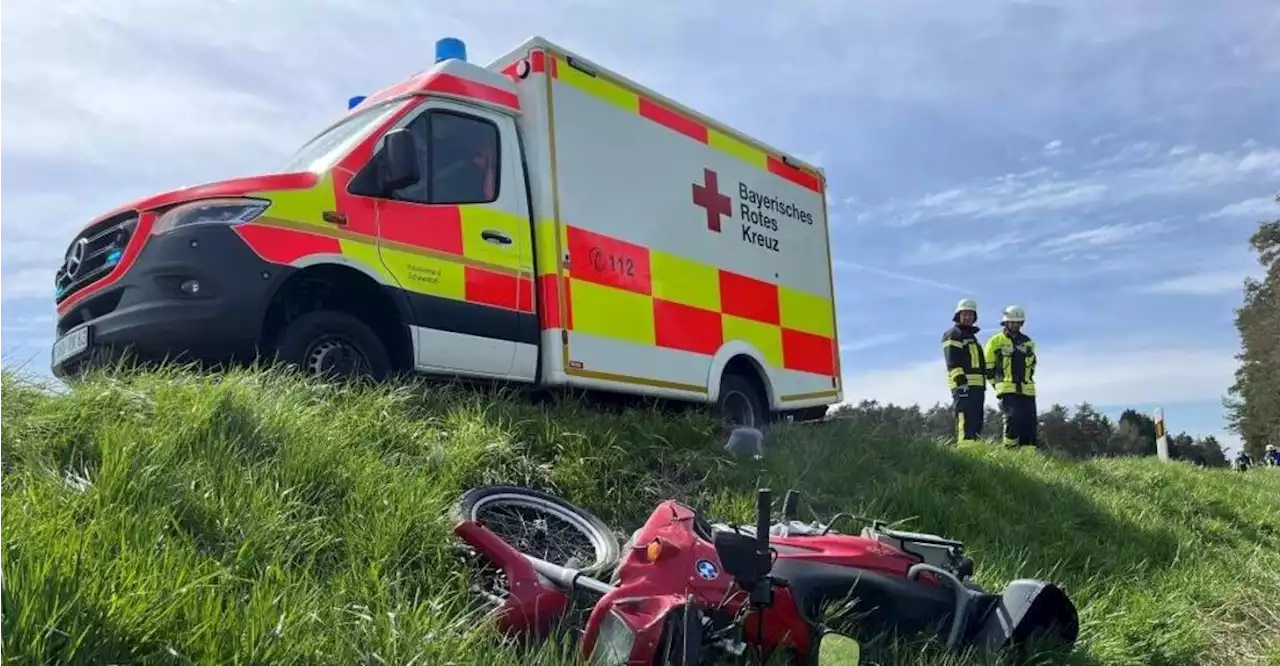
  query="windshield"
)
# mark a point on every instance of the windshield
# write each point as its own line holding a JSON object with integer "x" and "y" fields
{"x": 321, "y": 152}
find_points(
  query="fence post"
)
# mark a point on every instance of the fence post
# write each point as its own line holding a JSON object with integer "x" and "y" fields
{"x": 1162, "y": 435}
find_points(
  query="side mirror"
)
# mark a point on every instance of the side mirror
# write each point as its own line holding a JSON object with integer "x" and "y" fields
{"x": 399, "y": 161}
{"x": 838, "y": 650}
{"x": 740, "y": 556}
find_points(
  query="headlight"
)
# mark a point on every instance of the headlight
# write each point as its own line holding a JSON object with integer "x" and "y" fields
{"x": 613, "y": 646}
{"x": 211, "y": 211}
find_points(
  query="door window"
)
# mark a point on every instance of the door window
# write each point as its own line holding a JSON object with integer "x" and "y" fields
{"x": 458, "y": 157}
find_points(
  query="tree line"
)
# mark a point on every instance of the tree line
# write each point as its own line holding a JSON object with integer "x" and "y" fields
{"x": 1253, "y": 402}
{"x": 1078, "y": 433}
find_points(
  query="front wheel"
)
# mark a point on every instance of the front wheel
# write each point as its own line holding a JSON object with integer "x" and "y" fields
{"x": 543, "y": 525}
{"x": 332, "y": 344}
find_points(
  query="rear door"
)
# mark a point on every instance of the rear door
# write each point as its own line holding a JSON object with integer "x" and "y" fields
{"x": 458, "y": 242}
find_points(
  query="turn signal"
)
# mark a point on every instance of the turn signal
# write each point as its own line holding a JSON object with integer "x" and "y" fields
{"x": 654, "y": 551}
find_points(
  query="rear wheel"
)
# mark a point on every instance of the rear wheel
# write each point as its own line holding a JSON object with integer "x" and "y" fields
{"x": 740, "y": 402}
{"x": 332, "y": 344}
{"x": 544, "y": 526}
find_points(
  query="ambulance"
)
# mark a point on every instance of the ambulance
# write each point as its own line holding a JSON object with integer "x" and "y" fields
{"x": 539, "y": 220}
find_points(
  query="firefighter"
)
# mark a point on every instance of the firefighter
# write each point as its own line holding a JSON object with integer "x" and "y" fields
{"x": 1271, "y": 457}
{"x": 966, "y": 371}
{"x": 1011, "y": 365}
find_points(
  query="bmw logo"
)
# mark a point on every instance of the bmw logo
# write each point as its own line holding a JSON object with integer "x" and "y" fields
{"x": 707, "y": 570}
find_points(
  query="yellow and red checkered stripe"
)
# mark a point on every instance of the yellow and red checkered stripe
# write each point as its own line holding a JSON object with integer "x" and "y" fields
{"x": 617, "y": 289}
{"x": 624, "y": 291}
{"x": 460, "y": 265}
{"x": 629, "y": 100}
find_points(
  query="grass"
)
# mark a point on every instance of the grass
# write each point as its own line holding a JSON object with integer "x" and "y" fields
{"x": 253, "y": 518}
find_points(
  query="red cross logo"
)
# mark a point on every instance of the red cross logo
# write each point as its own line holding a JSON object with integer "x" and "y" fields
{"x": 708, "y": 196}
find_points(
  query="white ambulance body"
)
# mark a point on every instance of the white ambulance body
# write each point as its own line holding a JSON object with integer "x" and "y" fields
{"x": 540, "y": 220}
{"x": 683, "y": 249}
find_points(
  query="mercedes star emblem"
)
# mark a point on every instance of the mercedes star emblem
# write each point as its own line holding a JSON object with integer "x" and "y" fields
{"x": 75, "y": 257}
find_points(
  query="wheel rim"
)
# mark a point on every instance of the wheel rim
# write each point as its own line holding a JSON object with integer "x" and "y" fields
{"x": 543, "y": 529}
{"x": 737, "y": 409}
{"x": 332, "y": 355}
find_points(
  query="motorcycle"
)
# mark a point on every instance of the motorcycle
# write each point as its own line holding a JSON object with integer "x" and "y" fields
{"x": 686, "y": 591}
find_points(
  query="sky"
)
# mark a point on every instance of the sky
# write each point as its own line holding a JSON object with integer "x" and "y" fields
{"x": 1100, "y": 163}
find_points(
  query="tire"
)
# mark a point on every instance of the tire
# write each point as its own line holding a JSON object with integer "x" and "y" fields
{"x": 737, "y": 393}
{"x": 477, "y": 503}
{"x": 333, "y": 344}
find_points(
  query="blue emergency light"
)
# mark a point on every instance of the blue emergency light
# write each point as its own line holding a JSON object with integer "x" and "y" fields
{"x": 450, "y": 48}
{"x": 355, "y": 101}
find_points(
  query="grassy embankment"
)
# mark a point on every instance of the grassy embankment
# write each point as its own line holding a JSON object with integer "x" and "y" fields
{"x": 169, "y": 518}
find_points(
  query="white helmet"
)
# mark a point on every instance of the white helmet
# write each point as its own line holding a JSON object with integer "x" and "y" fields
{"x": 966, "y": 304}
{"x": 1014, "y": 313}
{"x": 1271, "y": 447}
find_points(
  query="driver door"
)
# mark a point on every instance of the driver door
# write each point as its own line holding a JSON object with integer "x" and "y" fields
{"x": 458, "y": 243}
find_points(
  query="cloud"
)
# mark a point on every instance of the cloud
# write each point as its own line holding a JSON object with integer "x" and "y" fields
{"x": 1133, "y": 174}
{"x": 1071, "y": 374}
{"x": 904, "y": 277}
{"x": 932, "y": 252}
{"x": 1105, "y": 235}
{"x": 871, "y": 342}
{"x": 27, "y": 283}
{"x": 35, "y": 324}
{"x": 1009, "y": 195}
{"x": 1202, "y": 283}
{"x": 1257, "y": 209}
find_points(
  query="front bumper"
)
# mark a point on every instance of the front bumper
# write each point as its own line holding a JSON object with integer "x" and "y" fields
{"x": 147, "y": 315}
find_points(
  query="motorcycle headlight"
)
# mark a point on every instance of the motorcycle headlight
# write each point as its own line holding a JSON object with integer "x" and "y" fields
{"x": 211, "y": 211}
{"x": 613, "y": 647}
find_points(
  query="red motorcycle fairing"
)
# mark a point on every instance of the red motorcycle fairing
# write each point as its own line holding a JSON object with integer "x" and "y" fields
{"x": 532, "y": 605}
{"x": 672, "y": 557}
{"x": 655, "y": 575}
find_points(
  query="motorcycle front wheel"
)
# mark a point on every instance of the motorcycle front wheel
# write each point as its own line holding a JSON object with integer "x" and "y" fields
{"x": 544, "y": 526}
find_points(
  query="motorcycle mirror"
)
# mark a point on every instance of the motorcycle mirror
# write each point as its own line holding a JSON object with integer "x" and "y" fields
{"x": 838, "y": 650}
{"x": 744, "y": 441}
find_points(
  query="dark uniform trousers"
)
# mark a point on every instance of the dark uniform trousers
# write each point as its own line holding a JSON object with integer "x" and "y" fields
{"x": 1020, "y": 419}
{"x": 969, "y": 409}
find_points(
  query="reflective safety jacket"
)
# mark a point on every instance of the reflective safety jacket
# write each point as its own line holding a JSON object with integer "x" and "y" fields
{"x": 963, "y": 354}
{"x": 1011, "y": 360}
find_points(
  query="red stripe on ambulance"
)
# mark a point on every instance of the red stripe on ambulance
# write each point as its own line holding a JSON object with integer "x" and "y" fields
{"x": 436, "y": 228}
{"x": 798, "y": 176}
{"x": 686, "y": 328}
{"x": 749, "y": 298}
{"x": 285, "y": 246}
{"x": 664, "y": 116}
{"x": 549, "y": 302}
{"x": 490, "y": 288}
{"x": 609, "y": 261}
{"x": 453, "y": 85}
{"x": 807, "y": 352}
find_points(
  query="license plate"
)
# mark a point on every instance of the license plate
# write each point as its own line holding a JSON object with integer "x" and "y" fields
{"x": 71, "y": 345}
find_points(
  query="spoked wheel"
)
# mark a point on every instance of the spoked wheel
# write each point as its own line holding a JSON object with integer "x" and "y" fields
{"x": 544, "y": 526}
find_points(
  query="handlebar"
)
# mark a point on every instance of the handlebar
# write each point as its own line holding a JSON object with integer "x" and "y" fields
{"x": 764, "y": 505}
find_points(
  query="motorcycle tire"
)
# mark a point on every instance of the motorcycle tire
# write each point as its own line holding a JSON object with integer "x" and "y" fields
{"x": 478, "y": 503}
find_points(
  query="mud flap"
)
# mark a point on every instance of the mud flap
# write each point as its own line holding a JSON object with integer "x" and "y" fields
{"x": 1029, "y": 610}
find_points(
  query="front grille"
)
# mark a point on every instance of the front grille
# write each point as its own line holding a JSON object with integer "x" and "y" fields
{"x": 93, "y": 253}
